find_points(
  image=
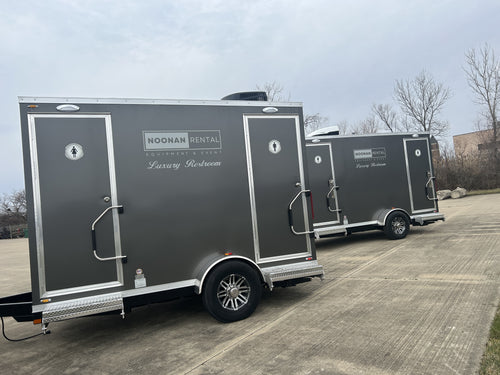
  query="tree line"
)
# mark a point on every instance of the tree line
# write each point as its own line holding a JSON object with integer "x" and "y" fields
{"x": 417, "y": 107}
{"x": 13, "y": 214}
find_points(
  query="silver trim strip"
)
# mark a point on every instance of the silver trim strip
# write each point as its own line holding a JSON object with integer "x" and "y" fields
{"x": 354, "y": 225}
{"x": 253, "y": 205}
{"x": 305, "y": 211}
{"x": 424, "y": 210}
{"x": 363, "y": 223}
{"x": 284, "y": 257}
{"x": 199, "y": 283}
{"x": 81, "y": 289}
{"x": 159, "y": 288}
{"x": 81, "y": 100}
{"x": 325, "y": 223}
{"x": 114, "y": 197}
{"x": 37, "y": 204}
{"x": 390, "y": 212}
{"x": 326, "y": 137}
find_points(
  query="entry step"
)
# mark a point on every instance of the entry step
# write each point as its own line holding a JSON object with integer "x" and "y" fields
{"x": 82, "y": 307}
{"x": 292, "y": 271}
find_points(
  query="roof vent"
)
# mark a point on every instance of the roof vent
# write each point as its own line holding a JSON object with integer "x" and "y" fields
{"x": 247, "y": 95}
{"x": 329, "y": 130}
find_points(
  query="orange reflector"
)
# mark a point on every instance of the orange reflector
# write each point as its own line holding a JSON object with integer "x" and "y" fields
{"x": 228, "y": 253}
{"x": 32, "y": 106}
{"x": 37, "y": 321}
{"x": 45, "y": 300}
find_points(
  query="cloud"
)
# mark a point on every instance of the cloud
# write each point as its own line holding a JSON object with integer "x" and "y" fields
{"x": 337, "y": 57}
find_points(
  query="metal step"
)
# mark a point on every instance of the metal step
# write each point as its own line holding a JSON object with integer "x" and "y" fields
{"x": 82, "y": 307}
{"x": 338, "y": 229}
{"x": 292, "y": 271}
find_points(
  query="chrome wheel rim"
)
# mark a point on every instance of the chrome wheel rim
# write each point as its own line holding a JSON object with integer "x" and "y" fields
{"x": 398, "y": 225}
{"x": 233, "y": 292}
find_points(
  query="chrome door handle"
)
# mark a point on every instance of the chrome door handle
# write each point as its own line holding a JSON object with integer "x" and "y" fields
{"x": 94, "y": 238}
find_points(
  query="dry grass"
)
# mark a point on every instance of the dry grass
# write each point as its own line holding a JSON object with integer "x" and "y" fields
{"x": 490, "y": 363}
{"x": 481, "y": 192}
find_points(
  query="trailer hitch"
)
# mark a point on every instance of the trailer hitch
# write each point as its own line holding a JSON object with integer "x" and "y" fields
{"x": 94, "y": 239}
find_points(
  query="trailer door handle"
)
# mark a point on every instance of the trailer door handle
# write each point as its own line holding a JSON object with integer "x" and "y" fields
{"x": 290, "y": 213}
{"x": 94, "y": 239}
{"x": 329, "y": 196}
{"x": 431, "y": 178}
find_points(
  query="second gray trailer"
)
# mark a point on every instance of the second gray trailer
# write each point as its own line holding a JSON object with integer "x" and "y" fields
{"x": 380, "y": 181}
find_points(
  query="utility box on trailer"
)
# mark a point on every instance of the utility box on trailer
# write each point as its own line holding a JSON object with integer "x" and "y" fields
{"x": 383, "y": 181}
{"x": 138, "y": 201}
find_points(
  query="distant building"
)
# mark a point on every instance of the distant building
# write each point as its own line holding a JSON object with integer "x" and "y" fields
{"x": 436, "y": 155}
{"x": 470, "y": 143}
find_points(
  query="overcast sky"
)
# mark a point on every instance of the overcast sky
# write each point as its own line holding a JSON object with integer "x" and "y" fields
{"x": 336, "y": 57}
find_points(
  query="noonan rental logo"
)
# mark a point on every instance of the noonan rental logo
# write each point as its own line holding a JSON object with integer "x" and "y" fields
{"x": 370, "y": 158}
{"x": 370, "y": 154}
{"x": 182, "y": 140}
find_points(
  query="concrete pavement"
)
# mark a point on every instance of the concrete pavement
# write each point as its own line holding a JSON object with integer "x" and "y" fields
{"x": 422, "y": 305}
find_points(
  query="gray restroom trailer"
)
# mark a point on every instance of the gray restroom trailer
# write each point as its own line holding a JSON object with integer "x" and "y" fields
{"x": 139, "y": 201}
{"x": 379, "y": 181}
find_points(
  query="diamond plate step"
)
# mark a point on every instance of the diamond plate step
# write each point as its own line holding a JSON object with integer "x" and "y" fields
{"x": 82, "y": 307}
{"x": 292, "y": 271}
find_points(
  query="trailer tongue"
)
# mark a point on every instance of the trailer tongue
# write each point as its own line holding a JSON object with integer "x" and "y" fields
{"x": 138, "y": 201}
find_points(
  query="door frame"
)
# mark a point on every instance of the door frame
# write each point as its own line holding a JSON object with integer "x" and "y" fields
{"x": 332, "y": 169}
{"x": 429, "y": 160}
{"x": 37, "y": 207}
{"x": 253, "y": 204}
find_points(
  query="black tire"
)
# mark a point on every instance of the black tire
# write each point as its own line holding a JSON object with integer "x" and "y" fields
{"x": 232, "y": 291}
{"x": 397, "y": 225}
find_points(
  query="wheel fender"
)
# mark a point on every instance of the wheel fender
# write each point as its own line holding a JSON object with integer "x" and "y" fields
{"x": 209, "y": 264}
{"x": 381, "y": 215}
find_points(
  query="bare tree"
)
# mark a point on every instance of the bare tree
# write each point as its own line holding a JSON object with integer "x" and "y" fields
{"x": 405, "y": 124}
{"x": 274, "y": 91}
{"x": 392, "y": 120}
{"x": 14, "y": 204}
{"x": 314, "y": 122}
{"x": 344, "y": 127}
{"x": 369, "y": 125}
{"x": 387, "y": 115}
{"x": 483, "y": 77}
{"x": 422, "y": 100}
{"x": 12, "y": 214}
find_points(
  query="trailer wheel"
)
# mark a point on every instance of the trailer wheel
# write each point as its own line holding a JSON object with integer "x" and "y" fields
{"x": 397, "y": 226}
{"x": 232, "y": 292}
